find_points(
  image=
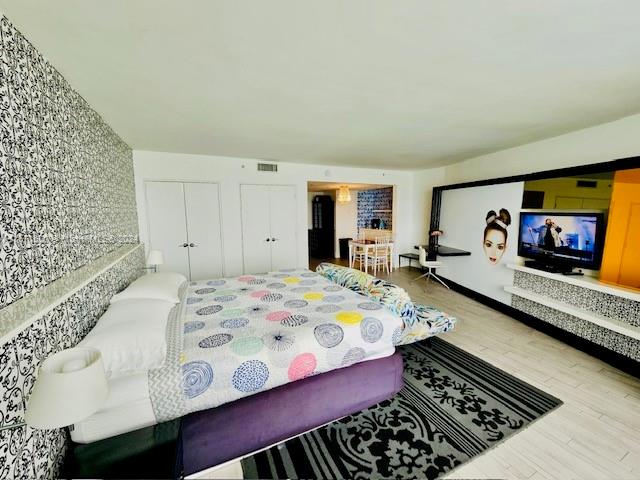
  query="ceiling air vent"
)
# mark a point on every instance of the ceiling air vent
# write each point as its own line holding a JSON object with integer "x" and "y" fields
{"x": 587, "y": 184}
{"x": 267, "y": 167}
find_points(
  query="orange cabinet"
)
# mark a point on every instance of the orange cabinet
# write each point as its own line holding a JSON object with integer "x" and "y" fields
{"x": 621, "y": 260}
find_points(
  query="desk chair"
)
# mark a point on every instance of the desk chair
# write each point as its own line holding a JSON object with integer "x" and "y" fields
{"x": 430, "y": 265}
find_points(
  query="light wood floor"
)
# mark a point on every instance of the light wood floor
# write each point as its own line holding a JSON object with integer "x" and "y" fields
{"x": 595, "y": 434}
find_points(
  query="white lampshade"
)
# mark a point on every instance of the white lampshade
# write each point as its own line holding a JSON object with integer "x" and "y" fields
{"x": 155, "y": 257}
{"x": 71, "y": 386}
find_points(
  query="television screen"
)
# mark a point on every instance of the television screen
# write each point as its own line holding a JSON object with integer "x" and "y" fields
{"x": 568, "y": 238}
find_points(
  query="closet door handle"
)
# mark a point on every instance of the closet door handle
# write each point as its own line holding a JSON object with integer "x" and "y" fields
{"x": 192, "y": 245}
{"x": 274, "y": 239}
{"x": 184, "y": 245}
{"x": 268, "y": 240}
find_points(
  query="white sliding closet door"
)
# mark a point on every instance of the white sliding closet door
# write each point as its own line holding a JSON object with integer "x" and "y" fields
{"x": 167, "y": 225}
{"x": 204, "y": 232}
{"x": 282, "y": 206}
{"x": 256, "y": 232}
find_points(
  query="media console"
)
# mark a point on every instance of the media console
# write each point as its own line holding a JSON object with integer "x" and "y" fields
{"x": 605, "y": 314}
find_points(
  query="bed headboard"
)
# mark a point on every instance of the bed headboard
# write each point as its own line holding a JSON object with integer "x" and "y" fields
{"x": 49, "y": 320}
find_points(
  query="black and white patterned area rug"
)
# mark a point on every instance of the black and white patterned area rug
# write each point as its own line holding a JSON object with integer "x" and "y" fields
{"x": 453, "y": 407}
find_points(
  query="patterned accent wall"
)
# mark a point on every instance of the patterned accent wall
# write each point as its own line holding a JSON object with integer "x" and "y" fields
{"x": 25, "y": 452}
{"x": 66, "y": 198}
{"x": 369, "y": 204}
{"x": 66, "y": 191}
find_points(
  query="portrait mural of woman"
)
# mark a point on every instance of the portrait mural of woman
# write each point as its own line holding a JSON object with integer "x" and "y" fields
{"x": 495, "y": 235}
{"x": 484, "y": 221}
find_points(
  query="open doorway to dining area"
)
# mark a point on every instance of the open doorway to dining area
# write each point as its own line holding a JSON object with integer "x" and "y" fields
{"x": 342, "y": 214}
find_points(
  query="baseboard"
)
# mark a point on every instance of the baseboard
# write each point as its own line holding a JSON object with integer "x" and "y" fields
{"x": 626, "y": 364}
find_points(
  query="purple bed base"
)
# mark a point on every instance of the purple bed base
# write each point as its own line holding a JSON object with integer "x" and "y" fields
{"x": 214, "y": 436}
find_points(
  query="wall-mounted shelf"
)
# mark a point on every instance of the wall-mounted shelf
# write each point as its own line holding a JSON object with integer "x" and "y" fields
{"x": 608, "y": 323}
{"x": 20, "y": 314}
{"x": 590, "y": 283}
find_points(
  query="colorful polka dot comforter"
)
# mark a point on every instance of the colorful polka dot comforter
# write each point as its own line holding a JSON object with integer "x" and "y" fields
{"x": 234, "y": 337}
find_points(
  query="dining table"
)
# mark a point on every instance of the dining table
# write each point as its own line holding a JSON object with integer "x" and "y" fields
{"x": 368, "y": 245}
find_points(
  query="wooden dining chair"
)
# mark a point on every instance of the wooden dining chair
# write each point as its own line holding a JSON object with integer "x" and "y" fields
{"x": 381, "y": 255}
{"x": 359, "y": 252}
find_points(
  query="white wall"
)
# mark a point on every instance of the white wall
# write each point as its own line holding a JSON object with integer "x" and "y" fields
{"x": 423, "y": 182}
{"x": 230, "y": 173}
{"x": 310, "y": 196}
{"x": 346, "y": 220}
{"x": 602, "y": 143}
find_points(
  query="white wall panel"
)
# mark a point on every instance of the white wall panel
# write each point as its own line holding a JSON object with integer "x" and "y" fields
{"x": 463, "y": 220}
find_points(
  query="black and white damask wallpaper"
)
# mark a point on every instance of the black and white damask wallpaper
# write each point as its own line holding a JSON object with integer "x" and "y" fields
{"x": 67, "y": 192}
{"x": 66, "y": 198}
{"x": 24, "y": 452}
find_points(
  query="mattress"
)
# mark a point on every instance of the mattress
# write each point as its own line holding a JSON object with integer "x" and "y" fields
{"x": 212, "y": 437}
{"x": 128, "y": 407}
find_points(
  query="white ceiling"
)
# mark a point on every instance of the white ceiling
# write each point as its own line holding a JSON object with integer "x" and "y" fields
{"x": 375, "y": 83}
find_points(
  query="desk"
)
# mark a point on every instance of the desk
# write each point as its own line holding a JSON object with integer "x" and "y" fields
{"x": 366, "y": 245}
{"x": 408, "y": 256}
{"x": 445, "y": 251}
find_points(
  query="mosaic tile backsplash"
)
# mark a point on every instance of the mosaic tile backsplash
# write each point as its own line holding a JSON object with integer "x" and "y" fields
{"x": 66, "y": 191}
{"x": 370, "y": 202}
{"x": 66, "y": 198}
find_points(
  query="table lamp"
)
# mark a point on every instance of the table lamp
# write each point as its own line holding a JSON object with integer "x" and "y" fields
{"x": 154, "y": 259}
{"x": 71, "y": 386}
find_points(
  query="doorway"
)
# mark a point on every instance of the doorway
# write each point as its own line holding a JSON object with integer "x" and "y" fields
{"x": 337, "y": 212}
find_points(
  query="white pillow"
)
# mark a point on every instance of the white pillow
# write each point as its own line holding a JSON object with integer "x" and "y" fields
{"x": 161, "y": 286}
{"x": 131, "y": 336}
{"x": 132, "y": 310}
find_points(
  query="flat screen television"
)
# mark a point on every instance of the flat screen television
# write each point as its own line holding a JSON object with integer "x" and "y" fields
{"x": 559, "y": 240}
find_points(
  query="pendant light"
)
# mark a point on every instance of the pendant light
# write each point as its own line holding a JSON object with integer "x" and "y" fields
{"x": 344, "y": 195}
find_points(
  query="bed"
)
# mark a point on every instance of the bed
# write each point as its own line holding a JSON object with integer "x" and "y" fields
{"x": 212, "y": 437}
{"x": 227, "y": 339}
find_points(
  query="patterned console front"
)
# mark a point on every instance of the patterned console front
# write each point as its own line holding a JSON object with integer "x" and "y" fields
{"x": 605, "y": 304}
{"x": 29, "y": 453}
{"x": 600, "y": 303}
